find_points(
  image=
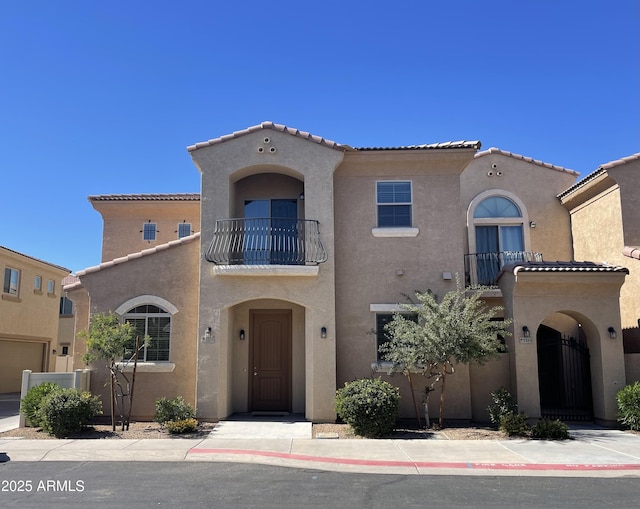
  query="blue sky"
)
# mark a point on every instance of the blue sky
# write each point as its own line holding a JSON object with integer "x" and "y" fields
{"x": 104, "y": 97}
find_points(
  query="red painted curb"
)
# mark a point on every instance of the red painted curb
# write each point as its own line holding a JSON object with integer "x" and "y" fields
{"x": 426, "y": 464}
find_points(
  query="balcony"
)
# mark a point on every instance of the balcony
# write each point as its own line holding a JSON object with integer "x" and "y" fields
{"x": 483, "y": 268}
{"x": 266, "y": 242}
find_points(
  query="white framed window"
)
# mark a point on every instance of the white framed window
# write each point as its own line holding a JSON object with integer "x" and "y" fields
{"x": 184, "y": 230}
{"x": 51, "y": 287}
{"x": 496, "y": 222}
{"x": 155, "y": 322}
{"x": 11, "y": 281}
{"x": 394, "y": 203}
{"x": 37, "y": 283}
{"x": 382, "y": 336}
{"x": 149, "y": 231}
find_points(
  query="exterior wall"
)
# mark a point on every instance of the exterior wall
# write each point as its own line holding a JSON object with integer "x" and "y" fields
{"x": 589, "y": 298}
{"x": 222, "y": 165}
{"x": 484, "y": 380}
{"x": 28, "y": 321}
{"x": 537, "y": 187}
{"x": 601, "y": 227}
{"x": 124, "y": 220}
{"x": 373, "y": 270}
{"x": 171, "y": 275}
{"x": 66, "y": 337}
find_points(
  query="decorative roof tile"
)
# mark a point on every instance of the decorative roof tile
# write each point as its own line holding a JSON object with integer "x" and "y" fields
{"x": 600, "y": 171}
{"x": 139, "y": 254}
{"x": 272, "y": 126}
{"x": 563, "y": 267}
{"x": 494, "y": 150}
{"x": 36, "y": 259}
{"x": 462, "y": 144}
{"x": 632, "y": 252}
{"x": 147, "y": 197}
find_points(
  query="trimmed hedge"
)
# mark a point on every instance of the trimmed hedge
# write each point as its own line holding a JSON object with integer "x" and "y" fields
{"x": 369, "y": 406}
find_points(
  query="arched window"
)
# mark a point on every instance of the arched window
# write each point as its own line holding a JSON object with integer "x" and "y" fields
{"x": 153, "y": 321}
{"x": 497, "y": 236}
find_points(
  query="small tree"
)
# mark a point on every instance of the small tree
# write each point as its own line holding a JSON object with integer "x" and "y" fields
{"x": 116, "y": 343}
{"x": 459, "y": 329}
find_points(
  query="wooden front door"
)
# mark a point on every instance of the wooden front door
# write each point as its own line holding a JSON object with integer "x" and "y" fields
{"x": 270, "y": 360}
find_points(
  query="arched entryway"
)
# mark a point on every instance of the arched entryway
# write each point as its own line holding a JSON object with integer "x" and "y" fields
{"x": 564, "y": 369}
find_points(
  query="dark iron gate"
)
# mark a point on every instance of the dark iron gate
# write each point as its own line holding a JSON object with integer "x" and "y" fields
{"x": 564, "y": 376}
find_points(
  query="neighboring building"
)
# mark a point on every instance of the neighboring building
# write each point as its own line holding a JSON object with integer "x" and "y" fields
{"x": 300, "y": 248}
{"x": 29, "y": 310}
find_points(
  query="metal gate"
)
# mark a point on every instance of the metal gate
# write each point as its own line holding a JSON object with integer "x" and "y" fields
{"x": 564, "y": 376}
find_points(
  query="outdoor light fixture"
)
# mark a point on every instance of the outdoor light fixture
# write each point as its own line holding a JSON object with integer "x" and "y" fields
{"x": 241, "y": 333}
{"x": 525, "y": 331}
{"x": 323, "y": 332}
{"x": 612, "y": 333}
{"x": 207, "y": 332}
{"x": 532, "y": 224}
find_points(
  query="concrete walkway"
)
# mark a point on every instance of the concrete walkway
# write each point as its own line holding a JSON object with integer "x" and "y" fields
{"x": 593, "y": 452}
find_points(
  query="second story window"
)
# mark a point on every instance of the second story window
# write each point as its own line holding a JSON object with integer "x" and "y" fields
{"x": 66, "y": 306}
{"x": 393, "y": 199}
{"x": 51, "y": 287}
{"x": 184, "y": 230}
{"x": 37, "y": 284}
{"x": 11, "y": 281}
{"x": 149, "y": 231}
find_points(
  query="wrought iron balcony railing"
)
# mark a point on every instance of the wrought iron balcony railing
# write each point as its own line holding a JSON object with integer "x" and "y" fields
{"x": 483, "y": 268}
{"x": 266, "y": 241}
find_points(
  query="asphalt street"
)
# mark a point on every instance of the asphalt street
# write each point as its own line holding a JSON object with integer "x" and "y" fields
{"x": 233, "y": 485}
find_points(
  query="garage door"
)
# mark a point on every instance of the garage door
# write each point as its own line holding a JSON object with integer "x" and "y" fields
{"x": 16, "y": 356}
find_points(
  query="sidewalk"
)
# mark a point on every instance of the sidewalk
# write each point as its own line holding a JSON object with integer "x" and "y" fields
{"x": 592, "y": 453}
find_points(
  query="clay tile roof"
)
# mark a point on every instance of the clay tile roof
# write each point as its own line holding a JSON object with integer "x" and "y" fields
{"x": 36, "y": 259}
{"x": 147, "y": 197}
{"x": 632, "y": 252}
{"x": 494, "y": 150}
{"x": 274, "y": 127}
{"x": 563, "y": 267}
{"x": 463, "y": 144}
{"x": 601, "y": 170}
{"x": 140, "y": 254}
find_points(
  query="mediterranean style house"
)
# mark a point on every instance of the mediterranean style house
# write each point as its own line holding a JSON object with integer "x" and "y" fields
{"x": 270, "y": 288}
{"x": 31, "y": 304}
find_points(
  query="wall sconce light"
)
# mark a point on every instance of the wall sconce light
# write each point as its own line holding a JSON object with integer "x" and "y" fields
{"x": 242, "y": 334}
{"x": 301, "y": 197}
{"x": 526, "y": 332}
{"x": 612, "y": 333}
{"x": 532, "y": 224}
{"x": 323, "y": 332}
{"x": 55, "y": 351}
{"x": 207, "y": 332}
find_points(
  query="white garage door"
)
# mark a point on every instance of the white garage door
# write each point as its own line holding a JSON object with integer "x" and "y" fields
{"x": 16, "y": 356}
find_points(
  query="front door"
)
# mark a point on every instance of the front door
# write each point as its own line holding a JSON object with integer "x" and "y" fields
{"x": 270, "y": 360}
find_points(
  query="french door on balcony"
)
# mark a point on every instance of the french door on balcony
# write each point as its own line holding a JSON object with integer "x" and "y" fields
{"x": 271, "y": 232}
{"x": 497, "y": 245}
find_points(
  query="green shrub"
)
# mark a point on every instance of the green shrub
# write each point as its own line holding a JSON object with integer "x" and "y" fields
{"x": 502, "y": 405}
{"x": 176, "y": 409}
{"x": 515, "y": 425}
{"x": 33, "y": 401}
{"x": 629, "y": 406}
{"x": 369, "y": 406}
{"x": 181, "y": 426}
{"x": 550, "y": 430}
{"x": 67, "y": 411}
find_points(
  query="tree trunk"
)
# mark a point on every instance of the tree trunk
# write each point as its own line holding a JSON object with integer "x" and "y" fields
{"x": 413, "y": 396}
{"x": 441, "y": 417}
{"x": 113, "y": 396}
{"x": 133, "y": 381}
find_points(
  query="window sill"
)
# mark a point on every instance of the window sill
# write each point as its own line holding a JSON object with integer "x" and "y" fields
{"x": 385, "y": 366}
{"x": 52, "y": 295}
{"x": 12, "y": 298}
{"x": 395, "y": 232}
{"x": 150, "y": 367}
{"x": 37, "y": 292}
